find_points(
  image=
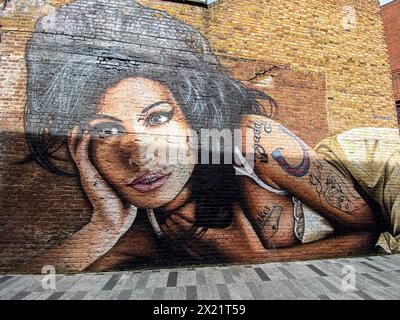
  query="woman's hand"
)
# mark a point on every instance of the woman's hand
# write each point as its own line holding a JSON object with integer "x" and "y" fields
{"x": 110, "y": 220}
{"x": 109, "y": 211}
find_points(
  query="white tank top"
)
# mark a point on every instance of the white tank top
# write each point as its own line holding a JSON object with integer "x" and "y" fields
{"x": 246, "y": 170}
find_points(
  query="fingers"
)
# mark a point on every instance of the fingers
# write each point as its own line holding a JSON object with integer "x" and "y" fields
{"x": 175, "y": 230}
{"x": 108, "y": 208}
{"x": 180, "y": 223}
{"x": 73, "y": 139}
{"x": 79, "y": 148}
{"x": 82, "y": 148}
{"x": 78, "y": 143}
{"x": 97, "y": 189}
{"x": 179, "y": 227}
{"x": 188, "y": 216}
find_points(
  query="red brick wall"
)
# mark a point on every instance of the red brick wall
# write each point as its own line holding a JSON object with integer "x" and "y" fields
{"x": 391, "y": 22}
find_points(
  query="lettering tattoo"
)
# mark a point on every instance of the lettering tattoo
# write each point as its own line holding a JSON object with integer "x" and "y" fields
{"x": 259, "y": 128}
{"x": 332, "y": 189}
{"x": 296, "y": 171}
{"x": 316, "y": 177}
{"x": 268, "y": 221}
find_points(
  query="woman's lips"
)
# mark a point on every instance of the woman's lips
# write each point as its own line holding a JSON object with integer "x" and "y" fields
{"x": 150, "y": 182}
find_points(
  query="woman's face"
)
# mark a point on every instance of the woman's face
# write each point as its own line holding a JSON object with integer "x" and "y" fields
{"x": 141, "y": 142}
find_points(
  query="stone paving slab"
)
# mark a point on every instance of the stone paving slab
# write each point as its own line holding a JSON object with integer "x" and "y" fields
{"x": 376, "y": 278}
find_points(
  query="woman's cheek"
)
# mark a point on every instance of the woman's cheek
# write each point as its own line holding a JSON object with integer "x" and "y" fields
{"x": 106, "y": 159}
{"x": 96, "y": 153}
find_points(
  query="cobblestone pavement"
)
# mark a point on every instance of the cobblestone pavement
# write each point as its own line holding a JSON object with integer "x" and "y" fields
{"x": 376, "y": 278}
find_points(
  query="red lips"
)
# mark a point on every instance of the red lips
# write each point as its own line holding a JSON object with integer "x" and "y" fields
{"x": 150, "y": 182}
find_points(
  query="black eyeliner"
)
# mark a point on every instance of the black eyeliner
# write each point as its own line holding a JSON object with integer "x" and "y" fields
{"x": 168, "y": 114}
{"x": 148, "y": 108}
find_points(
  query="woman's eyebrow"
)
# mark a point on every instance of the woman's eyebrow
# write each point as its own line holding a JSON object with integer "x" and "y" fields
{"x": 148, "y": 108}
{"x": 104, "y": 116}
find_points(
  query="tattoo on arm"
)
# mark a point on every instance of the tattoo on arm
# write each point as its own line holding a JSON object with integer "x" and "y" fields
{"x": 296, "y": 171}
{"x": 268, "y": 221}
{"x": 259, "y": 128}
{"x": 332, "y": 189}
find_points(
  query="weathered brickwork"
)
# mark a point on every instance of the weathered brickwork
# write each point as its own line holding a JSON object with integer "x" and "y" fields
{"x": 139, "y": 74}
{"x": 314, "y": 41}
{"x": 391, "y": 23}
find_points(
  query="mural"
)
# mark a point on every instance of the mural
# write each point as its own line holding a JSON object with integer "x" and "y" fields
{"x": 119, "y": 96}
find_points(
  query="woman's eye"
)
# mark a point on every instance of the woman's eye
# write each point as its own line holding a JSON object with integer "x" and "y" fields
{"x": 107, "y": 131}
{"x": 159, "y": 118}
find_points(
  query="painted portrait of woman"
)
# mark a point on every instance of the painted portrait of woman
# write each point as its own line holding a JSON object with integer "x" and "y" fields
{"x": 106, "y": 100}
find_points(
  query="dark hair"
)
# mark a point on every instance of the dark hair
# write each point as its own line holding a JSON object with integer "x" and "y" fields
{"x": 81, "y": 49}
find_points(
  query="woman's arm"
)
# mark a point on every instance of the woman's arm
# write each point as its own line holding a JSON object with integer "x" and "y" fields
{"x": 270, "y": 215}
{"x": 284, "y": 161}
{"x": 240, "y": 244}
{"x": 111, "y": 218}
{"x": 77, "y": 252}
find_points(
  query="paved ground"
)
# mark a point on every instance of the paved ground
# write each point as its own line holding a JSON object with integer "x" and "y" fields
{"x": 376, "y": 278}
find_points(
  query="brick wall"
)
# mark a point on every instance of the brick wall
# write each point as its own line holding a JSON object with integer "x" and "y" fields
{"x": 390, "y": 17}
{"x": 324, "y": 63}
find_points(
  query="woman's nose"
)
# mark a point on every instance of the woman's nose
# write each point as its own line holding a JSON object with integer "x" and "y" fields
{"x": 139, "y": 149}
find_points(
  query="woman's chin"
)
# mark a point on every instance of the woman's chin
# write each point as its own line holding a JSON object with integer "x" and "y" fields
{"x": 149, "y": 201}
